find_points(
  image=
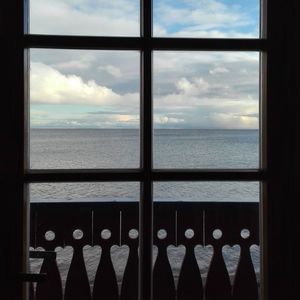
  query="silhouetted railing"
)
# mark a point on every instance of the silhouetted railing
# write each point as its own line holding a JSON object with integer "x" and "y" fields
{"x": 178, "y": 271}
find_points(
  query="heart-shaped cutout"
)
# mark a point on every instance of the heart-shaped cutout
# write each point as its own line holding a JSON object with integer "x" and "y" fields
{"x": 119, "y": 257}
{"x": 91, "y": 259}
{"x": 35, "y": 264}
{"x": 255, "y": 257}
{"x": 63, "y": 259}
{"x": 175, "y": 257}
{"x": 203, "y": 256}
{"x": 231, "y": 256}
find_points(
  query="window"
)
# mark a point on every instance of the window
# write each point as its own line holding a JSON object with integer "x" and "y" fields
{"x": 275, "y": 123}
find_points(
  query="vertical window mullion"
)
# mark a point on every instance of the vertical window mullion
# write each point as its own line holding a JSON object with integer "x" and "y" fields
{"x": 146, "y": 203}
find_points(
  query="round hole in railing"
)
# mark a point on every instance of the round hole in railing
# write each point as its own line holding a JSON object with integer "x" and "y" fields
{"x": 77, "y": 234}
{"x": 162, "y": 234}
{"x": 49, "y": 235}
{"x": 106, "y": 234}
{"x": 189, "y": 233}
{"x": 245, "y": 233}
{"x": 133, "y": 234}
{"x": 217, "y": 234}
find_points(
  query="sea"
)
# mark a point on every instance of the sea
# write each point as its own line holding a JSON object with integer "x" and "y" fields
{"x": 120, "y": 148}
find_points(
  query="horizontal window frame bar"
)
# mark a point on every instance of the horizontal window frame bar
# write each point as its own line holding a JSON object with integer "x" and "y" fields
{"x": 34, "y": 176}
{"x": 209, "y": 175}
{"x": 193, "y": 44}
{"x": 82, "y": 175}
{"x": 141, "y": 43}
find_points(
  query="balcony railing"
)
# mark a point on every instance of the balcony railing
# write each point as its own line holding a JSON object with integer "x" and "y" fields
{"x": 183, "y": 234}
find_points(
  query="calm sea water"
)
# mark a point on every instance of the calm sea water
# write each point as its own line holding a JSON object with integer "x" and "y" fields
{"x": 120, "y": 148}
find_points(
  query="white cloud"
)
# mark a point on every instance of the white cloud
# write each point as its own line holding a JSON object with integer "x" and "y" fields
{"x": 70, "y": 119}
{"x": 130, "y": 119}
{"x": 49, "y": 86}
{"x": 118, "y": 70}
{"x": 232, "y": 121}
{"x": 166, "y": 120}
{"x": 218, "y": 70}
{"x": 94, "y": 17}
{"x": 51, "y": 90}
{"x": 112, "y": 70}
{"x": 192, "y": 87}
{"x": 72, "y": 64}
{"x": 197, "y": 86}
{"x": 208, "y": 18}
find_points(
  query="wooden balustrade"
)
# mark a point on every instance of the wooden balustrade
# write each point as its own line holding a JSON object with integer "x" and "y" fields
{"x": 175, "y": 223}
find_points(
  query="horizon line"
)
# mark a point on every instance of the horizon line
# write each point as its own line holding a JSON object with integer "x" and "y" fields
{"x": 123, "y": 128}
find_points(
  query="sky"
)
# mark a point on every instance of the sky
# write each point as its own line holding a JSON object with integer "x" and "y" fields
{"x": 101, "y": 89}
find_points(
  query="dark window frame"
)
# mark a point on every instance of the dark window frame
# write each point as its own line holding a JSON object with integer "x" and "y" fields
{"x": 280, "y": 126}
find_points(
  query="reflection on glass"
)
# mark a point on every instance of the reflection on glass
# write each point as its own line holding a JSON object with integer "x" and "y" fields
{"x": 206, "y": 18}
{"x": 204, "y": 232}
{"x": 84, "y": 109}
{"x": 92, "y": 219}
{"x": 206, "y": 109}
{"x": 85, "y": 17}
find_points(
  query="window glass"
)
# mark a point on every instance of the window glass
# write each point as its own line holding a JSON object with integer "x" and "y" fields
{"x": 85, "y": 17}
{"x": 84, "y": 109}
{"x": 85, "y": 114}
{"x": 206, "y": 18}
{"x": 206, "y": 109}
{"x": 76, "y": 233}
{"x": 203, "y": 233}
{"x": 187, "y": 191}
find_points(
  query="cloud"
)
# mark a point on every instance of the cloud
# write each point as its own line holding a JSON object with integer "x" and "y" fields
{"x": 94, "y": 17}
{"x": 191, "y": 90}
{"x": 193, "y": 87}
{"x": 206, "y": 111}
{"x": 69, "y": 119}
{"x": 207, "y": 89}
{"x": 112, "y": 70}
{"x": 118, "y": 70}
{"x": 253, "y": 115}
{"x": 49, "y": 86}
{"x": 206, "y": 18}
{"x": 67, "y": 101}
{"x": 232, "y": 121}
{"x": 73, "y": 65}
{"x": 105, "y": 112}
{"x": 218, "y": 70}
{"x": 201, "y": 18}
{"x": 200, "y": 89}
{"x": 166, "y": 120}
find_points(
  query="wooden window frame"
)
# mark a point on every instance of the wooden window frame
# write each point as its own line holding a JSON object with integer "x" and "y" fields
{"x": 279, "y": 124}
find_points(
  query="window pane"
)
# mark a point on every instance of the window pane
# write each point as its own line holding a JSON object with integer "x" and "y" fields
{"x": 206, "y": 191}
{"x": 206, "y": 109}
{"x": 206, "y": 232}
{"x": 206, "y": 18}
{"x": 84, "y": 192}
{"x": 84, "y": 109}
{"x": 83, "y": 235}
{"x": 85, "y": 17}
